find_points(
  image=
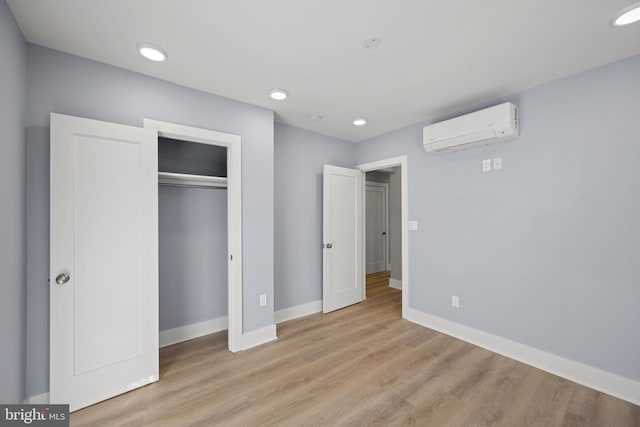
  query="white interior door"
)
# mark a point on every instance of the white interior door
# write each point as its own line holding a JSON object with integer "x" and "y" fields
{"x": 104, "y": 260}
{"x": 376, "y": 227}
{"x": 342, "y": 279}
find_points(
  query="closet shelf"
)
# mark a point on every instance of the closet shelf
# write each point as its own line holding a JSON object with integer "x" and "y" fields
{"x": 186, "y": 180}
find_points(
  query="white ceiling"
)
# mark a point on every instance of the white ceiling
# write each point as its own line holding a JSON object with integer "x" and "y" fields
{"x": 436, "y": 56}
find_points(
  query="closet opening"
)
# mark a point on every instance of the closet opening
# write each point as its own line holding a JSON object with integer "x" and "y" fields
{"x": 192, "y": 238}
{"x": 199, "y": 234}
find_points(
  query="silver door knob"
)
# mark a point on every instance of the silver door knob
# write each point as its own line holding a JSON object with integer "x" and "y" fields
{"x": 329, "y": 245}
{"x": 63, "y": 278}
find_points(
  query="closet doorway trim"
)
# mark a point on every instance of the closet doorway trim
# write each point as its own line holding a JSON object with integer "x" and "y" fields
{"x": 234, "y": 211}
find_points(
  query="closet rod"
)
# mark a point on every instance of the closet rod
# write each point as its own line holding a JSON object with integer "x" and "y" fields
{"x": 186, "y": 180}
{"x": 214, "y": 187}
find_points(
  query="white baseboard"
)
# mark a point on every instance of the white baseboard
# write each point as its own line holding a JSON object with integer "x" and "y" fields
{"x": 598, "y": 379}
{"x": 39, "y": 399}
{"x": 196, "y": 330}
{"x": 258, "y": 337}
{"x": 297, "y": 311}
{"x": 395, "y": 283}
{"x": 189, "y": 332}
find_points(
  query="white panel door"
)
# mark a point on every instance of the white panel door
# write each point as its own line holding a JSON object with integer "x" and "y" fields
{"x": 376, "y": 228}
{"x": 104, "y": 260}
{"x": 342, "y": 279}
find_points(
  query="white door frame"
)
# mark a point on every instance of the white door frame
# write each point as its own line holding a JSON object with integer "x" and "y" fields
{"x": 234, "y": 211}
{"x": 385, "y": 250}
{"x": 400, "y": 161}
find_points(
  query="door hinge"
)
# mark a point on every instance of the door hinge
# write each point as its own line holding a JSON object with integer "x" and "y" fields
{"x": 230, "y": 257}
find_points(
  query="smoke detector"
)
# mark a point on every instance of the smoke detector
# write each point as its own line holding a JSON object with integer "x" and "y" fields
{"x": 371, "y": 42}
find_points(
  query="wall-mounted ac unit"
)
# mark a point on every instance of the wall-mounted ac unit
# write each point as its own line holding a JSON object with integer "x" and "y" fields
{"x": 493, "y": 124}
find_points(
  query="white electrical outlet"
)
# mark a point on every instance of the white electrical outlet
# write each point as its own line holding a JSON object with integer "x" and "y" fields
{"x": 455, "y": 301}
{"x": 486, "y": 165}
{"x": 497, "y": 163}
{"x": 413, "y": 225}
{"x": 263, "y": 300}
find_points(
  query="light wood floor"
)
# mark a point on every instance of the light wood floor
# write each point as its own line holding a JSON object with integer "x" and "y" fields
{"x": 362, "y": 366}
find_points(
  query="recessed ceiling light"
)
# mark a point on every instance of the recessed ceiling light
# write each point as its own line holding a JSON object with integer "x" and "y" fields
{"x": 314, "y": 117}
{"x": 360, "y": 121}
{"x": 628, "y": 15}
{"x": 278, "y": 94}
{"x": 152, "y": 52}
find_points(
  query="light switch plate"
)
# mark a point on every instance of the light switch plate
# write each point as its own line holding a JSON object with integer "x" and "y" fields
{"x": 486, "y": 165}
{"x": 263, "y": 300}
{"x": 413, "y": 225}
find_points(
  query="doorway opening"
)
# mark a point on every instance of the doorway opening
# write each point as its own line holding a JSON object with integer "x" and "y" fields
{"x": 385, "y": 219}
{"x": 377, "y": 222}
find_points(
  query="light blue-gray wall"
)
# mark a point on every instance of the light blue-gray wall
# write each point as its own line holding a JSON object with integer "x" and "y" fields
{"x": 191, "y": 158}
{"x": 13, "y": 51}
{"x": 395, "y": 223}
{"x": 192, "y": 234}
{"x": 67, "y": 84}
{"x": 545, "y": 251}
{"x": 299, "y": 157}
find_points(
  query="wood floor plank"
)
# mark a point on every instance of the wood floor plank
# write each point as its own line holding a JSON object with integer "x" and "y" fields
{"x": 362, "y": 365}
{"x": 582, "y": 408}
{"x": 444, "y": 410}
{"x": 505, "y": 397}
{"x": 548, "y": 405}
{"x": 330, "y": 382}
{"x": 609, "y": 409}
{"x": 374, "y": 377}
{"x": 381, "y": 411}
